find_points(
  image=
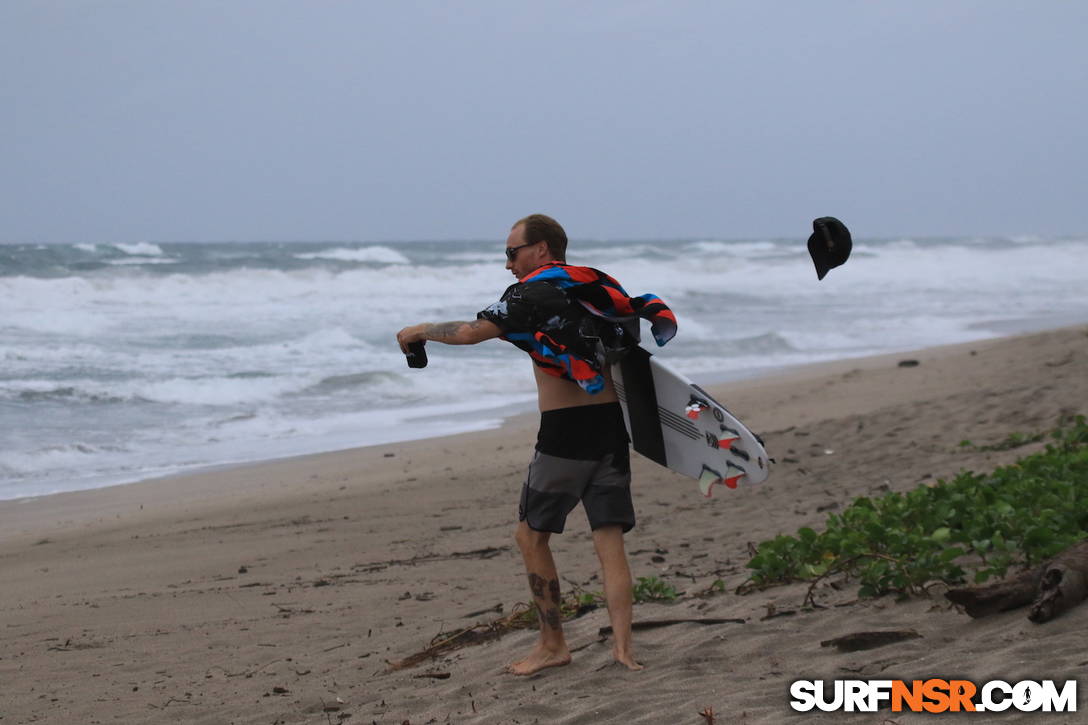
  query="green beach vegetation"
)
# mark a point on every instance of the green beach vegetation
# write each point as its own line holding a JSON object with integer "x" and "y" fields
{"x": 974, "y": 527}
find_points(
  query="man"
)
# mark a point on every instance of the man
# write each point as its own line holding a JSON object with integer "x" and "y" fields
{"x": 582, "y": 447}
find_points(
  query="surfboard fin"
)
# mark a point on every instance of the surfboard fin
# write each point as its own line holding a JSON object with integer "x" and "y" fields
{"x": 709, "y": 477}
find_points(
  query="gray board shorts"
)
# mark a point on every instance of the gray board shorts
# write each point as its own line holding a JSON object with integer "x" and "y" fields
{"x": 582, "y": 455}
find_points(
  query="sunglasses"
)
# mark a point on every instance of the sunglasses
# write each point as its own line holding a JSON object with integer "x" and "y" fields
{"x": 512, "y": 252}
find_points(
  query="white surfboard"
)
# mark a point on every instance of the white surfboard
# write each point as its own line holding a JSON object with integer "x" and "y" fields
{"x": 674, "y": 422}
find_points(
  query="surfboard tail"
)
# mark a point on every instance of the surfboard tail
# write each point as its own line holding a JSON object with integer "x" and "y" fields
{"x": 675, "y": 423}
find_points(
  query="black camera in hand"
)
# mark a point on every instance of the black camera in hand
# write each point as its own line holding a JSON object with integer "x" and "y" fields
{"x": 417, "y": 356}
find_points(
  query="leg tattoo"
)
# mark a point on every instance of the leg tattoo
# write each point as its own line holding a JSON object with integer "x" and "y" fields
{"x": 553, "y": 589}
{"x": 548, "y": 611}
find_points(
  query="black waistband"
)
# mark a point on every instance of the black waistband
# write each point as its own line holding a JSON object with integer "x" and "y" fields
{"x": 585, "y": 432}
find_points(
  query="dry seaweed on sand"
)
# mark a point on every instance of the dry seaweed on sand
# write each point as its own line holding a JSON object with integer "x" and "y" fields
{"x": 445, "y": 642}
{"x": 858, "y": 641}
{"x": 522, "y": 616}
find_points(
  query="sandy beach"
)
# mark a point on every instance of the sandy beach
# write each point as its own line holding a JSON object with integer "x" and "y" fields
{"x": 278, "y": 592}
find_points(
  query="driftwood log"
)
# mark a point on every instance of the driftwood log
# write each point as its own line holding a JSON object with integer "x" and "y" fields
{"x": 1050, "y": 588}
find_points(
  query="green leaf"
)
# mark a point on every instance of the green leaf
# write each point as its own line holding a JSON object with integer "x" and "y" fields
{"x": 951, "y": 553}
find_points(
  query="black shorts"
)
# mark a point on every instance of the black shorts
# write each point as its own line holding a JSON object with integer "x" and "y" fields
{"x": 581, "y": 455}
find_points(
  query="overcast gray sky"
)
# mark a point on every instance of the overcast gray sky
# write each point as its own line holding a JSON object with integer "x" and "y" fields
{"x": 317, "y": 120}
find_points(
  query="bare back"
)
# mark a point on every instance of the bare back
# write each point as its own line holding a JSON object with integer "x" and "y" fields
{"x": 554, "y": 393}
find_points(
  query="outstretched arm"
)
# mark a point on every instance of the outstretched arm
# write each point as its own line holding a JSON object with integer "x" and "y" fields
{"x": 451, "y": 333}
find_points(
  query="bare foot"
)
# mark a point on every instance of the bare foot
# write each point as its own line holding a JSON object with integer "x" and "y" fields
{"x": 627, "y": 660}
{"x": 539, "y": 659}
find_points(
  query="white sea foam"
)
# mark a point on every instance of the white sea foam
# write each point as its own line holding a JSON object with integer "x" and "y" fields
{"x": 76, "y": 323}
{"x": 84, "y": 391}
{"x": 493, "y": 256}
{"x": 142, "y": 249}
{"x": 132, "y": 262}
{"x": 218, "y": 390}
{"x": 605, "y": 254}
{"x": 1026, "y": 239}
{"x": 71, "y": 455}
{"x": 382, "y": 255}
{"x": 733, "y": 249}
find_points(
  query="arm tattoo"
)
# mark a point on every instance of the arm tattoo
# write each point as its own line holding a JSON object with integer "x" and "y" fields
{"x": 448, "y": 331}
{"x": 444, "y": 331}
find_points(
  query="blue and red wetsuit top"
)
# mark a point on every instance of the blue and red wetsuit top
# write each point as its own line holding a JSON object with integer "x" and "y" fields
{"x": 573, "y": 321}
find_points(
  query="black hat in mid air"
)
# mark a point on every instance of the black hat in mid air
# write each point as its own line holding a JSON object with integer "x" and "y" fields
{"x": 829, "y": 244}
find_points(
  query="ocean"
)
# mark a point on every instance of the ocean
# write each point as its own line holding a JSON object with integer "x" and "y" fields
{"x": 121, "y": 362}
